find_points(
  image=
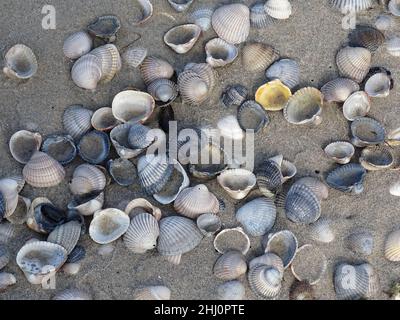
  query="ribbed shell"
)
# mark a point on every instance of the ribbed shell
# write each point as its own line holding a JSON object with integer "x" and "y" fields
{"x": 393, "y": 46}
{"x": 20, "y": 62}
{"x": 182, "y": 38}
{"x": 266, "y": 282}
{"x": 340, "y": 151}
{"x": 367, "y": 37}
{"x": 121, "y": 136}
{"x": 23, "y": 145}
{"x": 392, "y": 246}
{"x": 394, "y": 7}
{"x": 259, "y": 19}
{"x": 384, "y": 22}
{"x": 367, "y": 131}
{"x": 77, "y": 254}
{"x": 205, "y": 72}
{"x": 360, "y": 242}
{"x": 67, "y": 235}
{"x": 339, "y": 89}
{"x": 229, "y": 128}
{"x": 87, "y": 71}
{"x": 178, "y": 235}
{"x": 231, "y": 265}
{"x": 152, "y": 293}
{"x": 202, "y": 17}
{"x": 232, "y": 239}
{"x": 87, "y": 179}
{"x": 94, "y": 147}
{"x": 4, "y": 256}
{"x": 347, "y": 178}
{"x": 376, "y": 158}
{"x": 231, "y": 290}
{"x": 251, "y": 116}
{"x": 269, "y": 177}
{"x": 110, "y": 61}
{"x": 163, "y": 90}
{"x": 73, "y": 294}
{"x": 354, "y": 5}
{"x": 77, "y": 121}
{"x": 316, "y": 185}
{"x": 42, "y": 171}
{"x": 193, "y": 88}
{"x": 7, "y": 232}
{"x": 153, "y": 68}
{"x": 77, "y": 44}
{"x": 232, "y": 22}
{"x": 134, "y": 56}
{"x": 284, "y": 244}
{"x": 285, "y": 70}
{"x": 8, "y": 197}
{"x": 142, "y": 233}
{"x": 144, "y": 14}
{"x": 20, "y": 214}
{"x": 322, "y": 231}
{"x": 234, "y": 96}
{"x": 257, "y": 57}
{"x": 268, "y": 259}
{"x": 220, "y": 53}
{"x": 278, "y": 9}
{"x": 354, "y": 62}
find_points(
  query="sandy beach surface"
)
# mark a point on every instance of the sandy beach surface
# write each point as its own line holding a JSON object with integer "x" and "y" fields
{"x": 312, "y": 36}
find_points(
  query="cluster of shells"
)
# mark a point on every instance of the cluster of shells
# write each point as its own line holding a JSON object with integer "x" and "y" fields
{"x": 126, "y": 127}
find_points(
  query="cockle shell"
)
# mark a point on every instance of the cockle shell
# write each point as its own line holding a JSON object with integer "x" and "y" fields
{"x": 229, "y": 128}
{"x": 230, "y": 266}
{"x": 346, "y": 6}
{"x": 394, "y": 7}
{"x": 60, "y": 147}
{"x": 152, "y": 293}
{"x": 94, "y": 147}
{"x": 384, "y": 22}
{"x": 130, "y": 139}
{"x": 66, "y": 235}
{"x": 144, "y": 14}
{"x": 6, "y": 280}
{"x": 322, "y": 231}
{"x": 259, "y": 19}
{"x": 73, "y": 295}
{"x": 273, "y": 96}
{"x": 19, "y": 179}
{"x": 356, "y": 106}
{"x": 339, "y": 89}
{"x": 42, "y": 171}
{"x": 220, "y": 53}
{"x": 71, "y": 269}
{"x": 209, "y": 224}
{"x": 87, "y": 204}
{"x": 205, "y": 72}
{"x": 268, "y": 259}
{"x": 87, "y": 71}
{"x": 340, "y": 151}
{"x": 105, "y": 27}
{"x": 132, "y": 106}
{"x": 103, "y": 119}
{"x": 251, "y": 116}
{"x": 376, "y": 158}
{"x": 232, "y": 239}
{"x": 284, "y": 244}
{"x": 285, "y": 70}
{"x": 234, "y": 96}
{"x": 87, "y": 179}
{"x": 153, "y": 68}
{"x": 360, "y": 242}
{"x": 163, "y": 90}
{"x": 392, "y": 246}
{"x": 77, "y": 44}
{"x": 141, "y": 205}
{"x": 265, "y": 281}
{"x": 20, "y": 62}
{"x": 20, "y": 214}
{"x": 347, "y": 178}
{"x": 4, "y": 256}
{"x": 180, "y": 5}
{"x": 182, "y": 38}
{"x": 23, "y": 145}
{"x": 193, "y": 87}
{"x": 354, "y": 62}
{"x": 77, "y": 254}
{"x": 122, "y": 171}
{"x": 237, "y": 182}
{"x": 367, "y": 37}
{"x": 257, "y": 57}
{"x": 134, "y": 56}
{"x": 7, "y": 232}
{"x": 288, "y": 170}
{"x": 269, "y": 177}
{"x": 301, "y": 290}
{"x": 110, "y": 61}
{"x": 393, "y": 46}
{"x": 77, "y": 121}
{"x": 232, "y": 22}
{"x": 8, "y": 197}
{"x": 378, "y": 85}
{"x": 231, "y": 290}
{"x": 278, "y": 9}
{"x": 202, "y": 17}
{"x": 367, "y": 131}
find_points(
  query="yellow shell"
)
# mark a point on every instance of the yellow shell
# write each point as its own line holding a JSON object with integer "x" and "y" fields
{"x": 273, "y": 95}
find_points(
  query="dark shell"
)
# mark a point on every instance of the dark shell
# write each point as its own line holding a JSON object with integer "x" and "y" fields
{"x": 347, "y": 178}
{"x": 208, "y": 171}
{"x": 105, "y": 27}
{"x": 165, "y": 116}
{"x": 367, "y": 37}
{"x": 122, "y": 171}
{"x": 48, "y": 217}
{"x": 269, "y": 178}
{"x": 77, "y": 254}
{"x": 94, "y": 147}
{"x": 60, "y": 147}
{"x": 252, "y": 116}
{"x": 2, "y": 206}
{"x": 234, "y": 96}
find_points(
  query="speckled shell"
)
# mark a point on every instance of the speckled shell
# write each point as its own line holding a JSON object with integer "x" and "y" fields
{"x": 144, "y": 14}
{"x": 354, "y": 62}
{"x": 252, "y": 116}
{"x": 232, "y": 239}
{"x": 339, "y": 89}
{"x": 232, "y": 22}
{"x": 266, "y": 282}
{"x": 60, "y": 147}
{"x": 367, "y": 131}
{"x": 152, "y": 293}
{"x": 231, "y": 291}
{"x": 376, "y": 158}
{"x": 340, "y": 151}
{"x": 134, "y": 56}
{"x": 322, "y": 231}
{"x": 360, "y": 242}
{"x": 77, "y": 44}
{"x": 257, "y": 57}
{"x": 153, "y": 68}
{"x": 42, "y": 171}
{"x": 347, "y": 178}
{"x": 182, "y": 38}
{"x": 269, "y": 177}
{"x": 202, "y": 17}
{"x": 87, "y": 71}
{"x": 23, "y": 145}
{"x": 393, "y": 46}
{"x": 367, "y": 37}
{"x": 278, "y": 9}
{"x": 234, "y": 96}
{"x": 209, "y": 224}
{"x": 237, "y": 182}
{"x": 220, "y": 53}
{"x": 20, "y": 62}
{"x": 354, "y": 5}
{"x": 77, "y": 121}
{"x": 259, "y": 19}
{"x": 4, "y": 257}
{"x": 231, "y": 265}
{"x": 73, "y": 294}
{"x": 356, "y": 106}
{"x": 392, "y": 246}
{"x": 87, "y": 179}
{"x": 268, "y": 259}
{"x": 378, "y": 85}
{"x": 285, "y": 70}
{"x": 142, "y": 233}
{"x": 94, "y": 147}
{"x": 134, "y": 106}
{"x": 66, "y": 235}
{"x": 284, "y": 244}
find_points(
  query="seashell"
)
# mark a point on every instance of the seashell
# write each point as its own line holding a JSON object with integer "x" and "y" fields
{"x": 33, "y": 258}
{"x": 378, "y": 85}
{"x": 146, "y": 12}
{"x": 393, "y": 46}
{"x": 134, "y": 56}
{"x": 265, "y": 281}
{"x": 60, "y": 147}
{"x": 232, "y": 22}
{"x": 94, "y": 147}
{"x": 44, "y": 217}
{"x": 76, "y": 255}
{"x": 205, "y": 72}
{"x": 142, "y": 233}
{"x": 103, "y": 119}
{"x": 394, "y": 7}
{"x": 339, "y": 89}
{"x": 42, "y": 171}
{"x": 229, "y": 128}
{"x": 110, "y": 61}
{"x": 175, "y": 260}
{"x": 340, "y": 151}
{"x": 232, "y": 239}
{"x": 20, "y": 214}
{"x": 8, "y": 197}
{"x": 309, "y": 265}
{"x": 20, "y": 62}
{"x": 376, "y": 158}
{"x": 66, "y": 235}
{"x": 132, "y": 106}
{"x": 251, "y": 116}
{"x": 384, "y": 22}
{"x": 257, "y": 57}
{"x": 230, "y": 266}
{"x": 19, "y": 179}
{"x": 87, "y": 204}
{"x": 202, "y": 17}
{"x": 257, "y": 216}
{"x": 392, "y": 246}
{"x": 288, "y": 170}
{"x": 87, "y": 71}
{"x": 356, "y": 106}
{"x": 139, "y": 136}
{"x": 367, "y": 37}
{"x": 278, "y": 9}
{"x": 6, "y": 280}
{"x": 152, "y": 293}
{"x": 301, "y": 290}
{"x": 77, "y": 121}
{"x": 304, "y": 107}
{"x": 284, "y": 244}
{"x": 322, "y": 231}
{"x": 178, "y": 235}
{"x": 73, "y": 294}
{"x": 273, "y": 96}
{"x": 105, "y": 27}
{"x": 367, "y": 131}
{"x": 193, "y": 87}
{"x": 360, "y": 242}
{"x": 347, "y": 178}
{"x": 346, "y": 6}
{"x": 182, "y": 38}
{"x": 4, "y": 257}
{"x": 163, "y": 90}
{"x": 209, "y": 224}
{"x": 192, "y": 202}
{"x": 220, "y": 53}
{"x": 23, "y": 144}
{"x": 269, "y": 177}
{"x": 394, "y": 189}
{"x": 77, "y": 44}
{"x": 354, "y": 62}
{"x": 354, "y": 282}
{"x": 108, "y": 225}
{"x": 234, "y": 96}
{"x": 122, "y": 171}
{"x": 268, "y": 259}
{"x": 259, "y": 19}
{"x": 142, "y": 205}
{"x": 393, "y": 137}
{"x": 87, "y": 179}
{"x": 231, "y": 290}
{"x": 71, "y": 269}
{"x": 7, "y": 232}
{"x": 153, "y": 68}
{"x": 237, "y": 182}
{"x": 106, "y": 250}
{"x": 285, "y": 70}
{"x": 180, "y": 5}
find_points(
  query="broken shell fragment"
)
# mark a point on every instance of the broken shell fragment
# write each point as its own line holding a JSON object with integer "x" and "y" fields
{"x": 285, "y": 70}
{"x": 237, "y": 182}
{"x": 152, "y": 293}
{"x": 23, "y": 145}
{"x": 230, "y": 266}
{"x": 105, "y": 27}
{"x": 153, "y": 68}
{"x": 232, "y": 239}
{"x": 77, "y": 44}
{"x": 269, "y": 177}
{"x": 339, "y": 89}
{"x": 284, "y": 244}
{"x": 231, "y": 290}
{"x": 367, "y": 131}
{"x": 182, "y": 38}
{"x": 132, "y": 106}
{"x": 61, "y": 147}
{"x": 340, "y": 151}
{"x": 20, "y": 62}
{"x": 356, "y": 106}
{"x": 94, "y": 147}
{"x": 347, "y": 178}
{"x": 354, "y": 62}
{"x": 209, "y": 224}
{"x": 360, "y": 242}
{"x": 252, "y": 116}
{"x": 77, "y": 121}
{"x": 220, "y": 53}
{"x": 257, "y": 57}
{"x": 376, "y": 158}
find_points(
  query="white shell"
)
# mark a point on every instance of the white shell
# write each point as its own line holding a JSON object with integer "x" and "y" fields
{"x": 354, "y": 62}
{"x": 133, "y": 106}
{"x": 339, "y": 89}
{"x": 340, "y": 151}
{"x": 237, "y": 182}
{"x": 87, "y": 71}
{"x": 180, "y": 5}
{"x": 8, "y": 197}
{"x": 232, "y": 239}
{"x": 392, "y": 246}
{"x": 182, "y": 38}
{"x": 220, "y": 53}
{"x": 152, "y": 293}
{"x": 193, "y": 88}
{"x": 278, "y": 9}
{"x": 259, "y": 19}
{"x": 7, "y": 232}
{"x": 6, "y": 280}
{"x": 322, "y": 231}
{"x": 351, "y": 5}
{"x": 356, "y": 106}
{"x": 20, "y": 62}
{"x": 229, "y": 128}
{"x": 393, "y": 46}
{"x": 103, "y": 119}
{"x": 153, "y": 68}
{"x": 230, "y": 291}
{"x": 86, "y": 179}
{"x": 134, "y": 56}
{"x": 394, "y": 189}
{"x": 77, "y": 44}
{"x": 23, "y": 145}
{"x": 378, "y": 86}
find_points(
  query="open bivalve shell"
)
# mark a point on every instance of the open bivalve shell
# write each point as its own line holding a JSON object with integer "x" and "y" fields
{"x": 23, "y": 144}
{"x": 367, "y": 131}
{"x": 209, "y": 224}
{"x": 134, "y": 56}
{"x": 378, "y": 85}
{"x": 351, "y": 5}
{"x": 237, "y": 182}
{"x": 394, "y": 7}
{"x": 376, "y": 158}
{"x": 356, "y": 106}
{"x": 152, "y": 293}
{"x": 60, "y": 147}
{"x": 257, "y": 57}
{"x": 202, "y": 17}
{"x": 278, "y": 9}
{"x": 87, "y": 204}
{"x": 103, "y": 119}
{"x": 340, "y": 151}
{"x": 230, "y": 266}
{"x": 347, "y": 178}
{"x": 180, "y": 5}
{"x": 182, "y": 38}
{"x": 338, "y": 90}
{"x": 105, "y": 27}
{"x": 285, "y": 70}
{"x": 392, "y": 246}
{"x": 232, "y": 239}
{"x": 77, "y": 121}
{"x": 87, "y": 179}
{"x": 132, "y": 106}
{"x": 284, "y": 244}
{"x": 231, "y": 290}
{"x": 265, "y": 281}
{"x": 20, "y": 214}
{"x": 122, "y": 171}
{"x": 220, "y": 53}
{"x": 354, "y": 62}
{"x": 273, "y": 96}
{"x": 269, "y": 177}
{"x": 94, "y": 147}
{"x": 77, "y": 44}
{"x": 141, "y": 205}
{"x": 20, "y": 62}
{"x": 130, "y": 139}
{"x": 252, "y": 116}
{"x": 144, "y": 13}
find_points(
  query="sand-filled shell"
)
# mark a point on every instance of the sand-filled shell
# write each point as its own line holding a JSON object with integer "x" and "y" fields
{"x": 20, "y": 214}
{"x": 67, "y": 235}
{"x": 367, "y": 37}
{"x": 392, "y": 246}
{"x": 285, "y": 70}
{"x": 182, "y": 38}
{"x": 152, "y": 293}
{"x": 304, "y": 107}
{"x": 153, "y": 68}
{"x": 33, "y": 257}
{"x": 367, "y": 131}
{"x": 347, "y": 178}
{"x": 105, "y": 27}
{"x": 202, "y": 17}
{"x": 209, "y": 224}
{"x": 220, "y": 53}
{"x": 339, "y": 89}
{"x": 77, "y": 44}
{"x": 355, "y": 282}
{"x": 60, "y": 147}
{"x": 178, "y": 235}
{"x": 340, "y": 151}
{"x": 87, "y": 71}
{"x": 73, "y": 295}
{"x": 346, "y": 6}
{"x": 229, "y": 128}
{"x": 302, "y": 205}
{"x": 94, "y": 147}
{"x": 132, "y": 106}
{"x": 110, "y": 61}
{"x": 77, "y": 121}
{"x": 309, "y": 265}
{"x": 144, "y": 12}
{"x": 232, "y": 239}
{"x": 23, "y": 145}
{"x": 393, "y": 46}
{"x": 269, "y": 177}
{"x": 142, "y": 233}
{"x": 301, "y": 290}
{"x": 376, "y": 158}
{"x": 8, "y": 197}
{"x": 134, "y": 56}
{"x": 103, "y": 119}
{"x": 87, "y": 179}
{"x": 278, "y": 9}
{"x": 232, "y": 22}
{"x": 230, "y": 266}
{"x": 6, "y": 280}
{"x": 237, "y": 182}
{"x": 265, "y": 281}
{"x": 394, "y": 7}
{"x": 234, "y": 95}
{"x": 356, "y": 106}
{"x": 180, "y": 5}
{"x": 20, "y": 62}
{"x": 122, "y": 171}
{"x": 257, "y": 57}
{"x": 268, "y": 259}
{"x": 257, "y": 216}
{"x": 231, "y": 290}
{"x": 259, "y": 19}
{"x": 251, "y": 116}
{"x": 193, "y": 88}
{"x": 360, "y": 242}
{"x": 141, "y": 205}
{"x": 163, "y": 90}
{"x": 273, "y": 96}
{"x": 322, "y": 231}
{"x": 354, "y": 62}
{"x": 4, "y": 257}
{"x": 378, "y": 85}
{"x": 192, "y": 202}
{"x": 108, "y": 225}
{"x": 284, "y": 244}
{"x": 42, "y": 171}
